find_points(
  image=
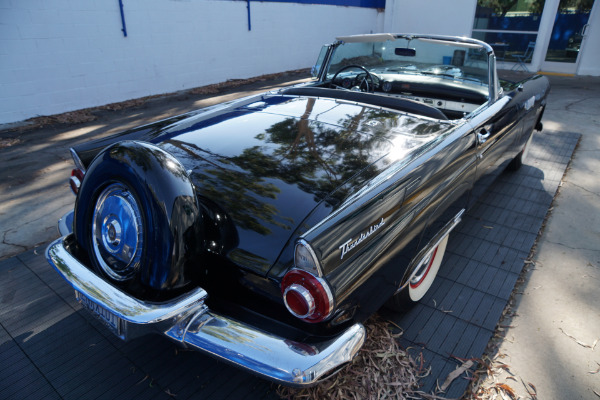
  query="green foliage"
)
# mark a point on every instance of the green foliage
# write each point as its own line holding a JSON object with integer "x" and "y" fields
{"x": 502, "y": 7}
{"x": 499, "y": 6}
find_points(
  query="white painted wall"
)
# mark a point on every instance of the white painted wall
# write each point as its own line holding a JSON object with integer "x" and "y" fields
{"x": 440, "y": 17}
{"x": 63, "y": 55}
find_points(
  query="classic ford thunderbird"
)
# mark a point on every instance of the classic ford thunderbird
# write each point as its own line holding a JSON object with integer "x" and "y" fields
{"x": 266, "y": 230}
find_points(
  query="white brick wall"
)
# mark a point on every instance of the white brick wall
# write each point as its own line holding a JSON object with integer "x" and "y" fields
{"x": 63, "y": 55}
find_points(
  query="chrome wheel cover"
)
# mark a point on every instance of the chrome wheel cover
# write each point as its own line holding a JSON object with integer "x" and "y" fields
{"x": 117, "y": 232}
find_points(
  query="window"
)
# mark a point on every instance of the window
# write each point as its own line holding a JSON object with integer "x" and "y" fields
{"x": 509, "y": 26}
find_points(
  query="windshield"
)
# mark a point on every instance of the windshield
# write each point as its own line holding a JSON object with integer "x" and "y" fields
{"x": 393, "y": 60}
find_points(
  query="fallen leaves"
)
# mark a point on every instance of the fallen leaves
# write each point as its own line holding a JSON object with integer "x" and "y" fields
{"x": 7, "y": 142}
{"x": 502, "y": 390}
{"x": 456, "y": 373}
{"x": 233, "y": 83}
{"x": 489, "y": 382}
{"x": 72, "y": 117}
{"x": 533, "y": 391}
{"x": 579, "y": 342}
{"x": 143, "y": 380}
{"x": 123, "y": 105}
{"x": 506, "y": 389}
{"x": 380, "y": 370}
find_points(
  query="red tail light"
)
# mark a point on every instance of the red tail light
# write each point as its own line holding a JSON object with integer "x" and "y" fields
{"x": 76, "y": 179}
{"x": 306, "y": 296}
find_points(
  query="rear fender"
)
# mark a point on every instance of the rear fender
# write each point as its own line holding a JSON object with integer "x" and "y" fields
{"x": 172, "y": 220}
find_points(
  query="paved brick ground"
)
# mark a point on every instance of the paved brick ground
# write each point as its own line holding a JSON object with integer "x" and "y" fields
{"x": 49, "y": 349}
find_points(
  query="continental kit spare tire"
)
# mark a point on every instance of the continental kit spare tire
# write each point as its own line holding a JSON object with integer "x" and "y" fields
{"x": 138, "y": 219}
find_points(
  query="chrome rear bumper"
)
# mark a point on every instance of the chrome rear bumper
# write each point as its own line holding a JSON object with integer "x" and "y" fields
{"x": 188, "y": 321}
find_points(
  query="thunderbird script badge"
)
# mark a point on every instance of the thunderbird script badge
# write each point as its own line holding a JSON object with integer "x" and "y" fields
{"x": 350, "y": 243}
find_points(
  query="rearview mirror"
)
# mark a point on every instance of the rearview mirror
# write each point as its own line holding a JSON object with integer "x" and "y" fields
{"x": 405, "y": 52}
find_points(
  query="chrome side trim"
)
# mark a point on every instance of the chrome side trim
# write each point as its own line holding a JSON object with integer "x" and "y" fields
{"x": 318, "y": 269}
{"x": 429, "y": 248}
{"x": 188, "y": 320}
{"x": 121, "y": 304}
{"x": 77, "y": 160}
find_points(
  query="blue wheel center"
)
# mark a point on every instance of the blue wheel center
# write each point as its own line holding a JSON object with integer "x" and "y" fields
{"x": 117, "y": 232}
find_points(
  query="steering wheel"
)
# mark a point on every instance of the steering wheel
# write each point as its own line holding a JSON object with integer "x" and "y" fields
{"x": 368, "y": 87}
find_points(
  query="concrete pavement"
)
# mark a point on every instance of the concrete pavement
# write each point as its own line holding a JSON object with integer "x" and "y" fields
{"x": 554, "y": 339}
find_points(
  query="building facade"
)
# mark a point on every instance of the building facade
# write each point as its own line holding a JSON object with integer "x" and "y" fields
{"x": 63, "y": 55}
{"x": 550, "y": 36}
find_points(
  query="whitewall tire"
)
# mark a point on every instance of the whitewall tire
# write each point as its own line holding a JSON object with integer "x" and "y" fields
{"x": 420, "y": 284}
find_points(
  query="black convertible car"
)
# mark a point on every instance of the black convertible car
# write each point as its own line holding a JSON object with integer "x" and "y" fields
{"x": 266, "y": 230}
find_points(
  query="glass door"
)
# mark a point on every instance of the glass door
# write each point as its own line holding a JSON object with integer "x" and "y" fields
{"x": 568, "y": 36}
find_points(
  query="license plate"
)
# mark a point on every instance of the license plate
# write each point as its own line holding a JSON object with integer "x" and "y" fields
{"x": 109, "y": 319}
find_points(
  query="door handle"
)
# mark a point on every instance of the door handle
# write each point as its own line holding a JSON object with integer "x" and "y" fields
{"x": 584, "y": 29}
{"x": 482, "y": 136}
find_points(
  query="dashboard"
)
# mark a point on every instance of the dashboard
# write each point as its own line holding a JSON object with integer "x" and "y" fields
{"x": 443, "y": 94}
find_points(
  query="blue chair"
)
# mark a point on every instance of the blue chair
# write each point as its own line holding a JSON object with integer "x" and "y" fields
{"x": 524, "y": 58}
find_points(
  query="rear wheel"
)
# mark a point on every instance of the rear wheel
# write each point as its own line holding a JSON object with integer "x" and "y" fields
{"x": 521, "y": 158}
{"x": 421, "y": 282}
{"x": 138, "y": 219}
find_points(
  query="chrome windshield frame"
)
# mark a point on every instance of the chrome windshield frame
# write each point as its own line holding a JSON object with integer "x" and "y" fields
{"x": 492, "y": 83}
